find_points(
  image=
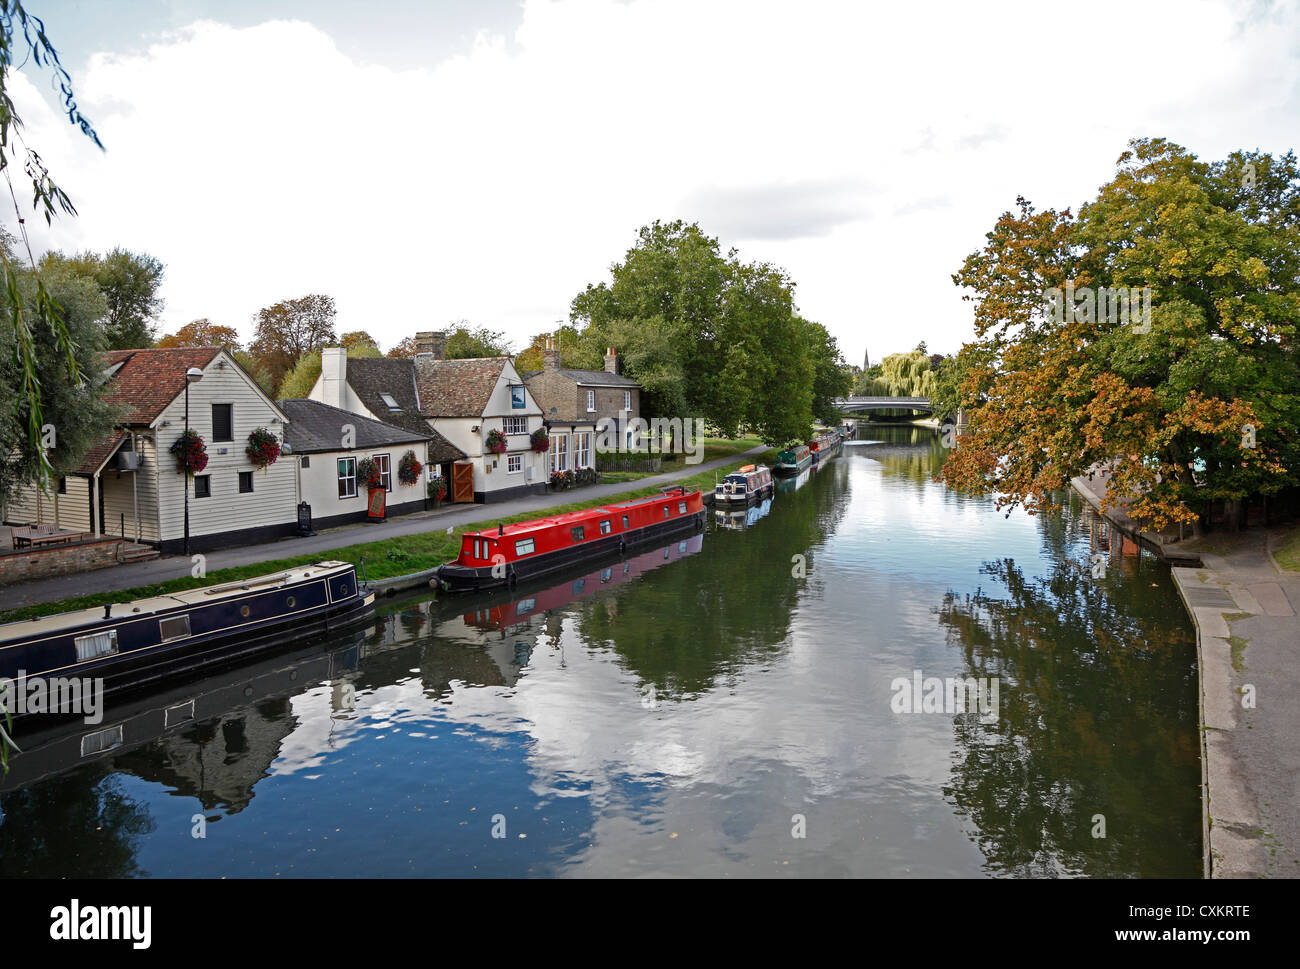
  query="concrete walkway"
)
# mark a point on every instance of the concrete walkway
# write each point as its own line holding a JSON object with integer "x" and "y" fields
{"x": 448, "y": 516}
{"x": 1248, "y": 644}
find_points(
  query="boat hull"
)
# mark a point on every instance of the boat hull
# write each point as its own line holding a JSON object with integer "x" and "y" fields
{"x": 457, "y": 578}
{"x": 791, "y": 470}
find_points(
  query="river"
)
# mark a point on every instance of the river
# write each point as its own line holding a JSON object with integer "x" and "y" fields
{"x": 728, "y": 705}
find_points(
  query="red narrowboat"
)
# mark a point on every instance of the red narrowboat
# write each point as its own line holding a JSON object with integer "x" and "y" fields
{"x": 509, "y": 553}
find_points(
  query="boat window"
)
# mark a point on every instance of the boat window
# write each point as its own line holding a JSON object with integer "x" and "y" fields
{"x": 667, "y": 511}
{"x": 96, "y": 644}
{"x": 606, "y": 575}
{"x": 625, "y": 522}
{"x": 174, "y": 627}
{"x": 101, "y": 740}
{"x": 579, "y": 533}
{"x": 524, "y": 546}
{"x": 606, "y": 527}
{"x": 525, "y": 607}
{"x": 681, "y": 547}
{"x": 578, "y": 586}
{"x": 681, "y": 508}
{"x": 627, "y": 567}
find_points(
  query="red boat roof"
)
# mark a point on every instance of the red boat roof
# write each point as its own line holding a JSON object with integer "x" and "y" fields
{"x": 584, "y": 514}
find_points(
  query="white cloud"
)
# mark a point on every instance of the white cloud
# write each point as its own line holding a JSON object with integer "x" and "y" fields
{"x": 261, "y": 163}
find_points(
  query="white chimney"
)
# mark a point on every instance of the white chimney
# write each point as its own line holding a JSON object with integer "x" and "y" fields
{"x": 333, "y": 376}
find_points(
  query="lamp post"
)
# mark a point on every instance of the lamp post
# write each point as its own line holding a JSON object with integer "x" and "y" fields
{"x": 192, "y": 375}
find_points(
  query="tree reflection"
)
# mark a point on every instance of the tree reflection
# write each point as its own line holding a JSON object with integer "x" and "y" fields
{"x": 1098, "y": 717}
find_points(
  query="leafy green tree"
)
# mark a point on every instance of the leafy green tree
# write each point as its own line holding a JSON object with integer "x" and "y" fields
{"x": 299, "y": 381}
{"x": 74, "y": 414}
{"x": 465, "y": 342}
{"x": 358, "y": 338}
{"x": 832, "y": 378}
{"x": 130, "y": 282}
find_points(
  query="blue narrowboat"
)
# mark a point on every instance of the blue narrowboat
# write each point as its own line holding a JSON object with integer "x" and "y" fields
{"x": 130, "y": 645}
{"x": 743, "y": 486}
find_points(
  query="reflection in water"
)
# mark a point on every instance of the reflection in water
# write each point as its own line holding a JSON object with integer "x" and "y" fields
{"x": 671, "y": 713}
{"x": 742, "y": 517}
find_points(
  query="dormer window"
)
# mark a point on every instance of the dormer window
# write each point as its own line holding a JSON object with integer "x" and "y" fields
{"x": 392, "y": 405}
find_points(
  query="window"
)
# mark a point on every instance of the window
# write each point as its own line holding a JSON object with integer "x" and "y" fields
{"x": 516, "y": 425}
{"x": 627, "y": 400}
{"x": 606, "y": 575}
{"x": 306, "y": 461}
{"x": 96, "y": 645}
{"x": 578, "y": 586}
{"x": 223, "y": 422}
{"x": 385, "y": 476}
{"x": 524, "y": 546}
{"x": 63, "y": 486}
{"x": 101, "y": 740}
{"x": 582, "y": 450}
{"x": 681, "y": 508}
{"x": 579, "y": 533}
{"x": 625, "y": 522}
{"x": 390, "y": 403}
{"x": 245, "y": 482}
{"x": 525, "y": 606}
{"x": 591, "y": 400}
{"x": 517, "y": 398}
{"x": 667, "y": 511}
{"x": 560, "y": 452}
{"x": 174, "y": 627}
{"x": 203, "y": 486}
{"x": 606, "y": 527}
{"x": 514, "y": 463}
{"x": 347, "y": 477}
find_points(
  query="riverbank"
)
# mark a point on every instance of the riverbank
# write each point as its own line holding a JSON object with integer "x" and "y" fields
{"x": 395, "y": 552}
{"x": 1245, "y": 610}
{"x": 1171, "y": 545}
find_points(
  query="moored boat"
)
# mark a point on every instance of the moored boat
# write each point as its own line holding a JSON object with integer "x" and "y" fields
{"x": 743, "y": 486}
{"x": 823, "y": 444}
{"x": 512, "y": 553}
{"x": 793, "y": 460}
{"x": 130, "y": 645}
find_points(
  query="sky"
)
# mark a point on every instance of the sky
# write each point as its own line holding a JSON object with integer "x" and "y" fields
{"x": 428, "y": 162}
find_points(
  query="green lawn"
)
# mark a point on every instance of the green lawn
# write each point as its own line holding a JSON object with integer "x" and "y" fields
{"x": 1288, "y": 555}
{"x": 383, "y": 559}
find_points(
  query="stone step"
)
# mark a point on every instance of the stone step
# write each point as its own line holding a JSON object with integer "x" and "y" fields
{"x": 131, "y": 552}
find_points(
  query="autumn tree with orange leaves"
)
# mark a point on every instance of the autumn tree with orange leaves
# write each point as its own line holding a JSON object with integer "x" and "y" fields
{"x": 1192, "y": 403}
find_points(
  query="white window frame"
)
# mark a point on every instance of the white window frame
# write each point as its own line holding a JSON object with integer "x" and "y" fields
{"x": 350, "y": 476}
{"x": 514, "y": 463}
{"x": 627, "y": 400}
{"x": 385, "y": 463}
{"x": 525, "y": 546}
{"x": 582, "y": 450}
{"x": 94, "y": 645}
{"x": 560, "y": 452}
{"x": 515, "y": 425}
{"x": 591, "y": 402}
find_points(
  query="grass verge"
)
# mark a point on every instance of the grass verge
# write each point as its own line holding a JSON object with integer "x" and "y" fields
{"x": 383, "y": 559}
{"x": 1288, "y": 555}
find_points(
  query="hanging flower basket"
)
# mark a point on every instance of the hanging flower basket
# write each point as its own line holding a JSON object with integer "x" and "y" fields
{"x": 496, "y": 442}
{"x": 190, "y": 452}
{"x": 263, "y": 448}
{"x": 409, "y": 468}
{"x": 539, "y": 440}
{"x": 368, "y": 472}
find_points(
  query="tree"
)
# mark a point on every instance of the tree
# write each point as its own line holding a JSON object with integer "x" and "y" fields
{"x": 289, "y": 329}
{"x": 1191, "y": 398}
{"x": 732, "y": 327}
{"x": 465, "y": 342}
{"x": 23, "y": 317}
{"x": 202, "y": 333}
{"x": 130, "y": 283}
{"x": 74, "y": 414}
{"x": 355, "y": 338}
{"x": 404, "y": 348}
{"x": 832, "y": 378}
{"x": 299, "y": 381}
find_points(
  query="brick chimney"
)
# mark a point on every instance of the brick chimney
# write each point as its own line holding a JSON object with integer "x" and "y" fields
{"x": 611, "y": 361}
{"x": 550, "y": 357}
{"x": 433, "y": 342}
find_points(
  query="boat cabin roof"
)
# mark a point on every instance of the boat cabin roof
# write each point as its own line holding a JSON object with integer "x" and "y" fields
{"x": 574, "y": 517}
{"x": 49, "y": 625}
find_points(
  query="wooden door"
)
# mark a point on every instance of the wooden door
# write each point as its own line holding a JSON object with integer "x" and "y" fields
{"x": 462, "y": 481}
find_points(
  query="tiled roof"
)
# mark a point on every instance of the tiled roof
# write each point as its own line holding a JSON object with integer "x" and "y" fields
{"x": 369, "y": 377}
{"x": 98, "y": 454}
{"x": 314, "y": 427}
{"x": 589, "y": 378}
{"x": 148, "y": 380}
{"x": 456, "y": 388}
